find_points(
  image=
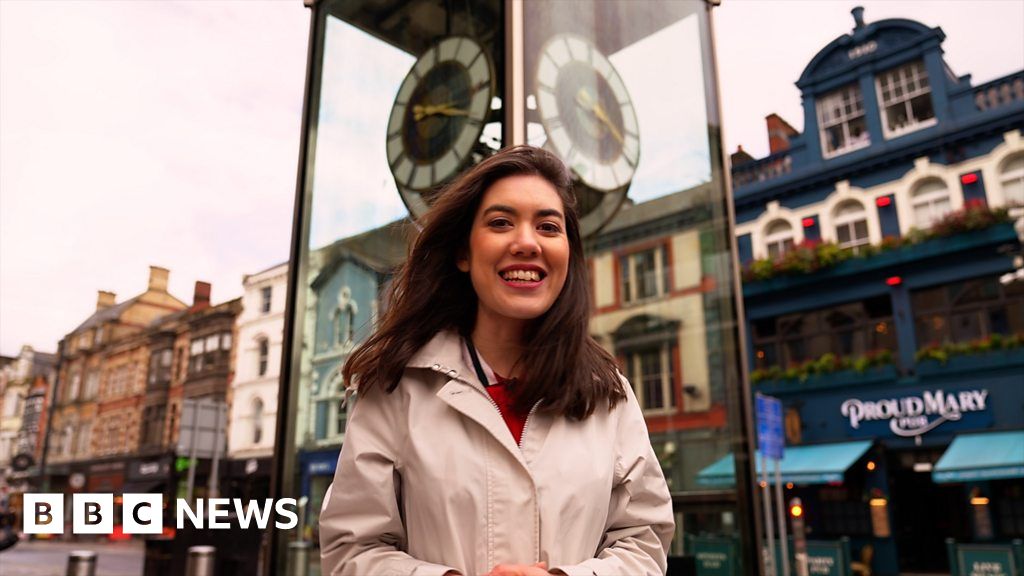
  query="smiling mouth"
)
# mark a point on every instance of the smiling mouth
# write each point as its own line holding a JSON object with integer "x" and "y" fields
{"x": 522, "y": 276}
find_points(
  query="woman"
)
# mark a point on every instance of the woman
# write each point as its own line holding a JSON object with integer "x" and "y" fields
{"x": 493, "y": 435}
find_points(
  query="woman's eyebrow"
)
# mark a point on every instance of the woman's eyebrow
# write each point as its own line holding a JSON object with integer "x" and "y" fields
{"x": 544, "y": 213}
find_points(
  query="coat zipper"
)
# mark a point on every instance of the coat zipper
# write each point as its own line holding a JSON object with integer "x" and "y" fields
{"x": 526, "y": 425}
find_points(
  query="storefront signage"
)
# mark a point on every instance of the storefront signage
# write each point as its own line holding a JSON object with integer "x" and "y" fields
{"x": 862, "y": 50}
{"x": 985, "y": 560}
{"x": 914, "y": 415}
{"x": 715, "y": 557}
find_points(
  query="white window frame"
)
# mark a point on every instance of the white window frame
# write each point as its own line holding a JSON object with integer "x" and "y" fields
{"x": 845, "y": 216}
{"x": 776, "y": 234}
{"x": 256, "y": 415}
{"x": 631, "y": 294}
{"x": 262, "y": 356}
{"x": 930, "y": 199}
{"x": 899, "y": 79}
{"x": 635, "y": 368}
{"x": 266, "y": 299}
{"x": 846, "y": 96}
{"x": 1011, "y": 177}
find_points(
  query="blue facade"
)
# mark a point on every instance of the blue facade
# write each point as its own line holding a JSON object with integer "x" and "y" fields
{"x": 909, "y": 338}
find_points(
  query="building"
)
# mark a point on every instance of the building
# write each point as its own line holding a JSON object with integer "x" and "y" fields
{"x": 252, "y": 397}
{"x": 874, "y": 244}
{"x": 97, "y": 406}
{"x": 24, "y": 383}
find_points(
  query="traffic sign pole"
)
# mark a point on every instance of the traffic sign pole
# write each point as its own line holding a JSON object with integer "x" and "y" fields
{"x": 782, "y": 518}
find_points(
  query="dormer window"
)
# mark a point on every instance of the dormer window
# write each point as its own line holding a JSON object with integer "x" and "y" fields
{"x": 841, "y": 120}
{"x": 906, "y": 99}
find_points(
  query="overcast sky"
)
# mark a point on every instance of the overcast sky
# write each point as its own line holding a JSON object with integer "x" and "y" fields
{"x": 167, "y": 133}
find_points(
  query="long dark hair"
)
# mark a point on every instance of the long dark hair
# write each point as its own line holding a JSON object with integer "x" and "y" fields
{"x": 564, "y": 369}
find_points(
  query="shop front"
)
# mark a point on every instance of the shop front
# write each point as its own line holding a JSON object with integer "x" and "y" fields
{"x": 905, "y": 470}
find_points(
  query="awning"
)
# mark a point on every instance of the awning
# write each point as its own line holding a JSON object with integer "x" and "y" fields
{"x": 819, "y": 464}
{"x": 985, "y": 456}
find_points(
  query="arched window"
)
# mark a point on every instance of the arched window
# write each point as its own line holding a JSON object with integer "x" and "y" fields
{"x": 1011, "y": 180}
{"x": 778, "y": 238}
{"x": 930, "y": 202}
{"x": 851, "y": 223}
{"x": 257, "y": 420}
{"x": 264, "y": 355}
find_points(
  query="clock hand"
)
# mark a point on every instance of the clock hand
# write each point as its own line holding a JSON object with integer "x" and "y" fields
{"x": 420, "y": 111}
{"x": 583, "y": 99}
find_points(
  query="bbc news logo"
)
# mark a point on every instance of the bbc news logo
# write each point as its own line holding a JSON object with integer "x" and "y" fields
{"x": 143, "y": 513}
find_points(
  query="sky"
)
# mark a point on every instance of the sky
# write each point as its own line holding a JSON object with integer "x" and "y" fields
{"x": 167, "y": 133}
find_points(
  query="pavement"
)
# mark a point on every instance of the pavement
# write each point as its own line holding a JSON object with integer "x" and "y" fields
{"x": 50, "y": 558}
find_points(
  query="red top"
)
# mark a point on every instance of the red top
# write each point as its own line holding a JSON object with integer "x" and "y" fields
{"x": 503, "y": 398}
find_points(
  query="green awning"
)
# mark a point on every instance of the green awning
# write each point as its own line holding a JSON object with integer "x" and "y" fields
{"x": 985, "y": 456}
{"x": 820, "y": 464}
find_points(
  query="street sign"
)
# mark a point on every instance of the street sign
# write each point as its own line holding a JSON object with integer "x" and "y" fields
{"x": 206, "y": 420}
{"x": 770, "y": 435}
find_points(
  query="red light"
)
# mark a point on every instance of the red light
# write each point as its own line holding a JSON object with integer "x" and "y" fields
{"x": 969, "y": 178}
{"x": 807, "y": 222}
{"x": 796, "y": 511}
{"x": 894, "y": 281}
{"x": 883, "y": 201}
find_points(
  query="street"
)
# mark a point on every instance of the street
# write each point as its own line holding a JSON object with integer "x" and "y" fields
{"x": 42, "y": 558}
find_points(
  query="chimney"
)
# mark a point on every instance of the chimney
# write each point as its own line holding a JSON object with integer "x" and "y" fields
{"x": 740, "y": 157}
{"x": 779, "y": 133}
{"x": 201, "y": 295}
{"x": 858, "y": 17}
{"x": 105, "y": 300}
{"x": 158, "y": 278}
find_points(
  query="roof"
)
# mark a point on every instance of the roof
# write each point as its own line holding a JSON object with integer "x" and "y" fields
{"x": 813, "y": 464}
{"x": 105, "y": 315}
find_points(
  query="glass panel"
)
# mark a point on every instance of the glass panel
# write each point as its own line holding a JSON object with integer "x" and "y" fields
{"x": 404, "y": 96}
{"x": 593, "y": 97}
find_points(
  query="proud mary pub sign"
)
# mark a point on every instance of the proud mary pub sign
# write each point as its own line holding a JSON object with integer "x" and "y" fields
{"x": 916, "y": 414}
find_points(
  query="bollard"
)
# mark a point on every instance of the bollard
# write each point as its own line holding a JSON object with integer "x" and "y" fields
{"x": 298, "y": 558}
{"x": 200, "y": 561}
{"x": 81, "y": 563}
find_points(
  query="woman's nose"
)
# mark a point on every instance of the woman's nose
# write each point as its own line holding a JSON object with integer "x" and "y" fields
{"x": 525, "y": 243}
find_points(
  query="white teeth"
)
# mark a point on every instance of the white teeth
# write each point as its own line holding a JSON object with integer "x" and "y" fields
{"x": 522, "y": 275}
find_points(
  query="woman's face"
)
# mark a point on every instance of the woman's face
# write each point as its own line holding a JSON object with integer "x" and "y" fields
{"x": 518, "y": 255}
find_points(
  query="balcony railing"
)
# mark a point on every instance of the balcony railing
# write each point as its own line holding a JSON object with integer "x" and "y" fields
{"x": 766, "y": 168}
{"x": 1000, "y": 92}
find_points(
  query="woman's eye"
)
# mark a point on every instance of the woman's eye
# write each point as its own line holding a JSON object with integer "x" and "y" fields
{"x": 500, "y": 223}
{"x": 549, "y": 227}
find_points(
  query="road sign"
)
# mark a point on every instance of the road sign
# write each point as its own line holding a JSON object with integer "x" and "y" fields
{"x": 207, "y": 420}
{"x": 770, "y": 438}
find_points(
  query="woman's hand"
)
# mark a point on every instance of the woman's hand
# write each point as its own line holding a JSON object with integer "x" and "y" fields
{"x": 538, "y": 569}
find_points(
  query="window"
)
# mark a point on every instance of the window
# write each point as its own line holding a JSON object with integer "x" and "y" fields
{"x": 644, "y": 274}
{"x": 265, "y": 295}
{"x": 778, "y": 238}
{"x": 930, "y": 202}
{"x": 264, "y": 354}
{"x": 344, "y": 318}
{"x": 331, "y": 412}
{"x": 74, "y": 385}
{"x": 99, "y": 335}
{"x": 209, "y": 353}
{"x": 841, "y": 120}
{"x": 257, "y": 420}
{"x": 1011, "y": 180}
{"x": 92, "y": 384}
{"x": 851, "y": 226}
{"x": 965, "y": 311}
{"x": 160, "y": 362}
{"x": 650, "y": 371}
{"x": 848, "y": 330}
{"x": 152, "y": 433}
{"x": 906, "y": 99}
{"x": 81, "y": 439}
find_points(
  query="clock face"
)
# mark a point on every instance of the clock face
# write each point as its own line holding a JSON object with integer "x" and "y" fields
{"x": 587, "y": 114}
{"x": 438, "y": 116}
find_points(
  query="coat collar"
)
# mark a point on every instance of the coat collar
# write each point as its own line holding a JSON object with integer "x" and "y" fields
{"x": 444, "y": 354}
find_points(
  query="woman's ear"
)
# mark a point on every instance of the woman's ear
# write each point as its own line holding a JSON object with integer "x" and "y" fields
{"x": 462, "y": 260}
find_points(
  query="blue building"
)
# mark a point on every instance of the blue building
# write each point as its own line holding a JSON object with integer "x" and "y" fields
{"x": 881, "y": 252}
